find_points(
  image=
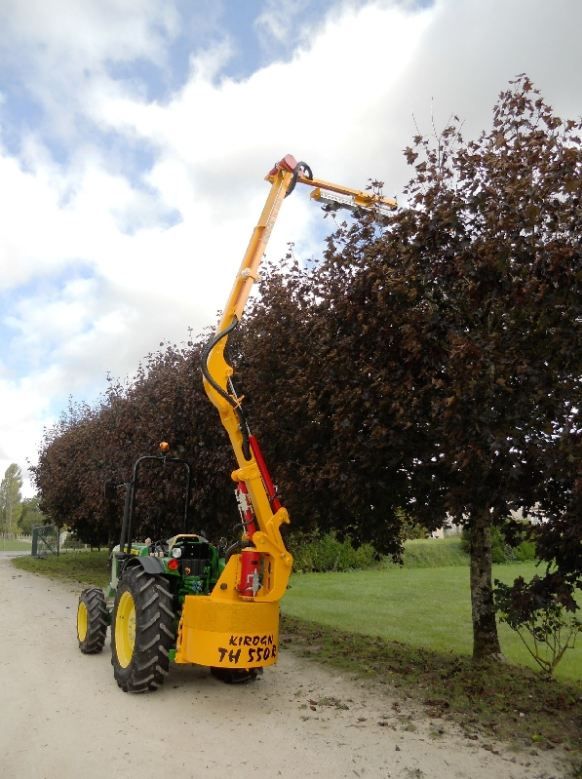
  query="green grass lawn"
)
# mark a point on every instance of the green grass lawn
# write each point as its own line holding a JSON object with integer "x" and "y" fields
{"x": 14, "y": 545}
{"x": 83, "y": 567}
{"x": 422, "y": 607}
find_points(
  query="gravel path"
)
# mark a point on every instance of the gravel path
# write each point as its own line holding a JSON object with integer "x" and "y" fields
{"x": 63, "y": 717}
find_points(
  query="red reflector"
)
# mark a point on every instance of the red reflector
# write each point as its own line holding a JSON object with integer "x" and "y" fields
{"x": 173, "y": 564}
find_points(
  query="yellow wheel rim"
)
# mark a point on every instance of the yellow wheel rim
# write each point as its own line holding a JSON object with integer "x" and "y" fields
{"x": 82, "y": 621}
{"x": 125, "y": 629}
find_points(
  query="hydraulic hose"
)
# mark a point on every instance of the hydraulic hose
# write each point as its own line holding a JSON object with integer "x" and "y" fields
{"x": 223, "y": 393}
{"x": 204, "y": 361}
{"x": 303, "y": 169}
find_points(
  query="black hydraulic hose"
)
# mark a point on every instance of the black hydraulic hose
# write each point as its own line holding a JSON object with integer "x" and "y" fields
{"x": 204, "y": 361}
{"x": 234, "y": 548}
{"x": 223, "y": 394}
{"x": 305, "y": 170}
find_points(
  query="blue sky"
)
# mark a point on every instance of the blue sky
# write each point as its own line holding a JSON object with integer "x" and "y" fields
{"x": 251, "y": 28}
{"x": 134, "y": 137}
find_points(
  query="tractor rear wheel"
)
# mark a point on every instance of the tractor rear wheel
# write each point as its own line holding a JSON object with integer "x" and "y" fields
{"x": 91, "y": 621}
{"x": 142, "y": 631}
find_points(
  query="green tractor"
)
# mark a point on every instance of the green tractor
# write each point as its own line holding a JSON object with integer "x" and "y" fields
{"x": 149, "y": 584}
{"x": 184, "y": 600}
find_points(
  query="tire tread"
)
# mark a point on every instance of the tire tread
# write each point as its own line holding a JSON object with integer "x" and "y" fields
{"x": 94, "y": 601}
{"x": 155, "y": 632}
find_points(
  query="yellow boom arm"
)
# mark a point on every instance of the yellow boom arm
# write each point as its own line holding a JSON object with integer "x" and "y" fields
{"x": 237, "y": 624}
{"x": 217, "y": 372}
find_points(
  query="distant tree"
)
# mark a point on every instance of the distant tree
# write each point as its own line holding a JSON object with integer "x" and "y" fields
{"x": 10, "y": 499}
{"x": 31, "y": 515}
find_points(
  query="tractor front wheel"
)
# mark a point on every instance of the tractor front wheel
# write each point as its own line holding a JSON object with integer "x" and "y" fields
{"x": 91, "y": 621}
{"x": 142, "y": 631}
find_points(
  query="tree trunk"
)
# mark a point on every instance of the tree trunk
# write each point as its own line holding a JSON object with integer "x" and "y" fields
{"x": 485, "y": 639}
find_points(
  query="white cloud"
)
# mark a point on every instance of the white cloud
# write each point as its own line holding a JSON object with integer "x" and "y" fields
{"x": 472, "y": 49}
{"x": 312, "y": 104}
{"x": 131, "y": 260}
{"x": 94, "y": 29}
{"x": 59, "y": 48}
{"x": 277, "y": 19}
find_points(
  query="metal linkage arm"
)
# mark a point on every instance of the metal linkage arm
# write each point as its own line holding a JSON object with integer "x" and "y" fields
{"x": 345, "y": 197}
